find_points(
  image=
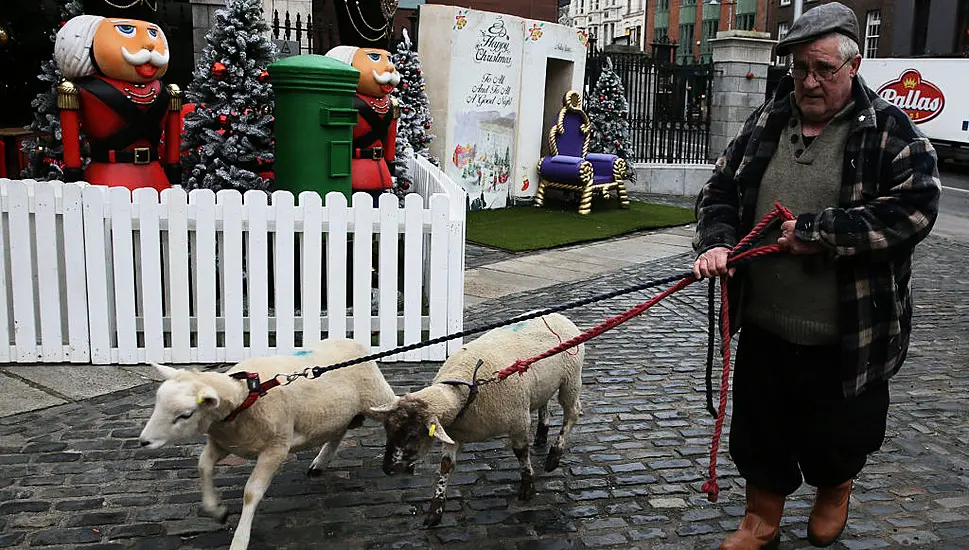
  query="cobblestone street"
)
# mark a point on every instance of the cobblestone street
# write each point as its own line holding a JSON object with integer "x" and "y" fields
{"x": 73, "y": 476}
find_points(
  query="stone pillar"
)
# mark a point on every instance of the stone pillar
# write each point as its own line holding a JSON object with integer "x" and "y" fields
{"x": 740, "y": 61}
{"x": 203, "y": 17}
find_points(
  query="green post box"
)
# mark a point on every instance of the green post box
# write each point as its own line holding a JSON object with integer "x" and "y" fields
{"x": 314, "y": 123}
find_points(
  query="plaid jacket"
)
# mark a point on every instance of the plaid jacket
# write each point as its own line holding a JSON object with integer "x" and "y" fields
{"x": 888, "y": 202}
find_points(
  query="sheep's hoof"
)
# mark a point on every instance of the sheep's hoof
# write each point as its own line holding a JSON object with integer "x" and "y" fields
{"x": 527, "y": 490}
{"x": 553, "y": 458}
{"x": 314, "y": 472}
{"x": 434, "y": 514}
{"x": 219, "y": 514}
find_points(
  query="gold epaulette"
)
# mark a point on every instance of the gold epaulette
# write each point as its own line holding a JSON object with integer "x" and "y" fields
{"x": 68, "y": 96}
{"x": 396, "y": 104}
{"x": 175, "y": 98}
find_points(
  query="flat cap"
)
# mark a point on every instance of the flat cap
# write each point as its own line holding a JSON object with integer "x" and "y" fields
{"x": 817, "y": 22}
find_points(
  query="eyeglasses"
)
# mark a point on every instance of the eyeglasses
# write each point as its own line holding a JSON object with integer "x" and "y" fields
{"x": 821, "y": 74}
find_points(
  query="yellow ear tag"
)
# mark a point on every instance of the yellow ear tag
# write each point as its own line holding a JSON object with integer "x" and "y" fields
{"x": 201, "y": 400}
{"x": 431, "y": 431}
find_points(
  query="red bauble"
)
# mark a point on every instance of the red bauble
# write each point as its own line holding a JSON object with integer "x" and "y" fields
{"x": 264, "y": 76}
{"x": 223, "y": 119}
{"x": 218, "y": 69}
{"x": 602, "y": 98}
{"x": 404, "y": 85}
{"x": 405, "y": 186}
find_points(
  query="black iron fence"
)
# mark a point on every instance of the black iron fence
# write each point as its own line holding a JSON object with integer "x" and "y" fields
{"x": 298, "y": 29}
{"x": 669, "y": 105}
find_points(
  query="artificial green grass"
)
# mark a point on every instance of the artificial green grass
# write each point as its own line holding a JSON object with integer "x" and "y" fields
{"x": 526, "y": 228}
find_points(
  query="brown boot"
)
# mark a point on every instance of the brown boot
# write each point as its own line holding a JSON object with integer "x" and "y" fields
{"x": 829, "y": 515}
{"x": 761, "y": 526}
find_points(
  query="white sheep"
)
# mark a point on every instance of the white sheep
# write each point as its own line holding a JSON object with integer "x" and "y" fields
{"x": 305, "y": 414}
{"x": 504, "y": 407}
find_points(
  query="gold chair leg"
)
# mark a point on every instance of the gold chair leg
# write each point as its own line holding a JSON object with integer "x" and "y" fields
{"x": 540, "y": 194}
{"x": 585, "y": 203}
{"x": 622, "y": 195}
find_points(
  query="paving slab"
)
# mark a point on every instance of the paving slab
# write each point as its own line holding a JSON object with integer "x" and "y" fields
{"x": 18, "y": 396}
{"x": 571, "y": 264}
{"x": 551, "y": 273}
{"x": 489, "y": 283}
{"x": 79, "y": 382}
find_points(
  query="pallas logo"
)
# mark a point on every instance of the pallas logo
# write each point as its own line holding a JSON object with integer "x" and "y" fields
{"x": 920, "y": 99}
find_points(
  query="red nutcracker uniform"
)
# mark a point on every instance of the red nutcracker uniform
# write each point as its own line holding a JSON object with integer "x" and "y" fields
{"x": 114, "y": 95}
{"x": 374, "y": 142}
{"x": 124, "y": 123}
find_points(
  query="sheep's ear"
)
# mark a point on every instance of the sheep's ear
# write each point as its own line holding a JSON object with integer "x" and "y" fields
{"x": 166, "y": 372}
{"x": 435, "y": 430}
{"x": 208, "y": 399}
{"x": 379, "y": 413}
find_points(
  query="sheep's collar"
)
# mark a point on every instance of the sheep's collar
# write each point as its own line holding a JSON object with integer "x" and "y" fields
{"x": 256, "y": 390}
{"x": 472, "y": 388}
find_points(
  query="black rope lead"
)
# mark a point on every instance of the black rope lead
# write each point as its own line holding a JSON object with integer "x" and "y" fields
{"x": 318, "y": 371}
{"x": 711, "y": 337}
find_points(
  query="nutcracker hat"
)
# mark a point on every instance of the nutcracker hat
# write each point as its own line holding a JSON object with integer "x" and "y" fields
{"x": 144, "y": 10}
{"x": 343, "y": 53}
{"x": 366, "y": 23}
{"x": 72, "y": 46}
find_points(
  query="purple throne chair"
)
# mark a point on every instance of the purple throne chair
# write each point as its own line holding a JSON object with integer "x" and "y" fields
{"x": 571, "y": 167}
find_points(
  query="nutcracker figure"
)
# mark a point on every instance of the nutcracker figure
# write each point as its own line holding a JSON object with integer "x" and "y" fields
{"x": 375, "y": 135}
{"x": 113, "y": 93}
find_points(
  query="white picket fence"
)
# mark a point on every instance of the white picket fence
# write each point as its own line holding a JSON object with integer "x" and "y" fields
{"x": 100, "y": 275}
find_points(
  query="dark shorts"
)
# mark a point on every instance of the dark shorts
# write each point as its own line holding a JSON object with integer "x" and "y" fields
{"x": 790, "y": 418}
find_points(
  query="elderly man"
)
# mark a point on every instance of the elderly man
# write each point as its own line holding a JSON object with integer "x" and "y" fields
{"x": 827, "y": 325}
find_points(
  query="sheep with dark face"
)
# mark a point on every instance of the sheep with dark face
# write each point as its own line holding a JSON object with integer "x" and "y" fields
{"x": 442, "y": 411}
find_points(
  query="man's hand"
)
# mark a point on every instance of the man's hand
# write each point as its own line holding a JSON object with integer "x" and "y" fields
{"x": 712, "y": 263}
{"x": 789, "y": 241}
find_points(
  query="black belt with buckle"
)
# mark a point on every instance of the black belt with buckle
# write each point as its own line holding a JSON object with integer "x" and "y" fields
{"x": 138, "y": 155}
{"x": 374, "y": 153}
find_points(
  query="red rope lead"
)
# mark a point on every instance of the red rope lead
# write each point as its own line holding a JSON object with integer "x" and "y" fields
{"x": 710, "y": 487}
{"x": 522, "y": 365}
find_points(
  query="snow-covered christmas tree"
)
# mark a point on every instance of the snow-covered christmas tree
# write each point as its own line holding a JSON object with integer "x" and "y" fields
{"x": 46, "y": 153}
{"x": 608, "y": 110}
{"x": 415, "y": 114}
{"x": 228, "y": 137}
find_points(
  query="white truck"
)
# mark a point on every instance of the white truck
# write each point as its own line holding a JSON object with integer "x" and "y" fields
{"x": 933, "y": 92}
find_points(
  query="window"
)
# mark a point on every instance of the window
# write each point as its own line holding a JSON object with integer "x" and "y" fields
{"x": 660, "y": 34}
{"x": 745, "y": 21}
{"x": 710, "y": 27}
{"x": 596, "y": 5}
{"x": 962, "y": 29}
{"x": 686, "y": 36}
{"x": 785, "y": 2}
{"x": 662, "y": 5}
{"x": 872, "y": 30}
{"x": 920, "y": 26}
{"x": 782, "y": 29}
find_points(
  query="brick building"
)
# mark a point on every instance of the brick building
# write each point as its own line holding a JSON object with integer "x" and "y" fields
{"x": 692, "y": 23}
{"x": 896, "y": 28}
